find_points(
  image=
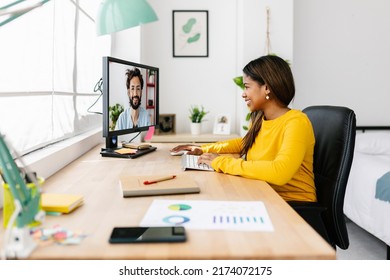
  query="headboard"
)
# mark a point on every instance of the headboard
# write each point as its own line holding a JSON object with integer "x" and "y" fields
{"x": 364, "y": 128}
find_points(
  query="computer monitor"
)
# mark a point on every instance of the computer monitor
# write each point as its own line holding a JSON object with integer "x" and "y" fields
{"x": 130, "y": 100}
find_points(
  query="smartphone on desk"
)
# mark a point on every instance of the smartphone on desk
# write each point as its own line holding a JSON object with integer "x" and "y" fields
{"x": 147, "y": 234}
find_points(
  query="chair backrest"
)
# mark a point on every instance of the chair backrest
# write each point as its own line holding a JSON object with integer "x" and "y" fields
{"x": 334, "y": 129}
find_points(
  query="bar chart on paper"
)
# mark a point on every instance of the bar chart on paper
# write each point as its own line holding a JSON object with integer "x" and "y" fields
{"x": 209, "y": 215}
{"x": 221, "y": 219}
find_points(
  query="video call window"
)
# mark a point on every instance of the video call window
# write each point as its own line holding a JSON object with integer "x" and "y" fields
{"x": 130, "y": 93}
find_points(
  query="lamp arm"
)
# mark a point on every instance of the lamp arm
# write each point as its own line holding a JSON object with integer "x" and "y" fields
{"x": 14, "y": 14}
{"x": 29, "y": 198}
{"x": 82, "y": 10}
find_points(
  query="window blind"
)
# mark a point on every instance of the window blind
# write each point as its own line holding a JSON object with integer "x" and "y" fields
{"x": 51, "y": 60}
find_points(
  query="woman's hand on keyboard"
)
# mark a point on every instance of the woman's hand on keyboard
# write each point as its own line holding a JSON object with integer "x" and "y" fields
{"x": 192, "y": 149}
{"x": 207, "y": 158}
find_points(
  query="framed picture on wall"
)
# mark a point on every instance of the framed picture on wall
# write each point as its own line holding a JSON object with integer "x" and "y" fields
{"x": 190, "y": 33}
{"x": 222, "y": 124}
{"x": 166, "y": 124}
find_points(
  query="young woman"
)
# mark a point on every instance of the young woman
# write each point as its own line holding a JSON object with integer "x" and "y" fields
{"x": 279, "y": 145}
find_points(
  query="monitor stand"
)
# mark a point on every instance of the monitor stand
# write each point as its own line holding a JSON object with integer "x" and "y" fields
{"x": 111, "y": 153}
{"x": 112, "y": 146}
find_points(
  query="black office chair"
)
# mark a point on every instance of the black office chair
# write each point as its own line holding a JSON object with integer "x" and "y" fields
{"x": 334, "y": 130}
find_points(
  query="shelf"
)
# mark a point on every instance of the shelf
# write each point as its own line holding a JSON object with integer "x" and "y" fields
{"x": 190, "y": 138}
{"x": 150, "y": 93}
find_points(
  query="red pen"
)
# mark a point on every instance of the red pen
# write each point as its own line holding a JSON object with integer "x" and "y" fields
{"x": 159, "y": 180}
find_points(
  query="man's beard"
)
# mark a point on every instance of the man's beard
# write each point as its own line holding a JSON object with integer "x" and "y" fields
{"x": 135, "y": 106}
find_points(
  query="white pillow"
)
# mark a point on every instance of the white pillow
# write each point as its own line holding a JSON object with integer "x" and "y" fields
{"x": 373, "y": 142}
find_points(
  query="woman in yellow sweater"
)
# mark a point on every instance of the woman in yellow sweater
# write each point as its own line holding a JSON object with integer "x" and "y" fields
{"x": 279, "y": 145}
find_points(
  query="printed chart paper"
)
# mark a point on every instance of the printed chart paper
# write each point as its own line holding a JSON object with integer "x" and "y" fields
{"x": 209, "y": 215}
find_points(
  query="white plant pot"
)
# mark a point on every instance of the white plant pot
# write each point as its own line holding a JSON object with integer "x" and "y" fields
{"x": 196, "y": 128}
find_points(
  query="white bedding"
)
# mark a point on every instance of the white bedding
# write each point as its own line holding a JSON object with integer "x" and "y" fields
{"x": 360, "y": 204}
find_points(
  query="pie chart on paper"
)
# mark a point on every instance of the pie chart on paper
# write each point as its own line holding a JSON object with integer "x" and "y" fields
{"x": 179, "y": 207}
{"x": 176, "y": 220}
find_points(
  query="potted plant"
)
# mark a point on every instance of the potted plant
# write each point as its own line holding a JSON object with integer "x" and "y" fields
{"x": 196, "y": 116}
{"x": 115, "y": 111}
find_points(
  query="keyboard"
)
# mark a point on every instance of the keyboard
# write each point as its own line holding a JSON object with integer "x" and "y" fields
{"x": 191, "y": 162}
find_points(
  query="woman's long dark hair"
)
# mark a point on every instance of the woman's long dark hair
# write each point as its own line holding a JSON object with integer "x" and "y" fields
{"x": 274, "y": 72}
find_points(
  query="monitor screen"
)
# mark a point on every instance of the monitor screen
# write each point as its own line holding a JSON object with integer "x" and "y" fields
{"x": 130, "y": 98}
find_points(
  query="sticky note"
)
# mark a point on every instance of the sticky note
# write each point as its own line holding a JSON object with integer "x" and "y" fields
{"x": 150, "y": 133}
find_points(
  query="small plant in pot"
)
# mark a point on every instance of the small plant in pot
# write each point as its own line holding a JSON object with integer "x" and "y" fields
{"x": 196, "y": 116}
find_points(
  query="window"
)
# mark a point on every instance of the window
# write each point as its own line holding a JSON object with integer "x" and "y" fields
{"x": 51, "y": 60}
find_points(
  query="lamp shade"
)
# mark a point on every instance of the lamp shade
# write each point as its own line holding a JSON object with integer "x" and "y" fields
{"x": 117, "y": 15}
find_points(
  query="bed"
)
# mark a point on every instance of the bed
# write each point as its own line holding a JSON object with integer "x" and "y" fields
{"x": 367, "y": 197}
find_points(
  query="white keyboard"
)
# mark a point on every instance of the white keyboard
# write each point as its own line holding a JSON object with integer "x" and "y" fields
{"x": 191, "y": 162}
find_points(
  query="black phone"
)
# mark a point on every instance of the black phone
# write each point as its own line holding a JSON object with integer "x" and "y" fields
{"x": 147, "y": 234}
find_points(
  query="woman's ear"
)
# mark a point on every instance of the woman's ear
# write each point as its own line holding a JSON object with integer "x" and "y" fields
{"x": 267, "y": 89}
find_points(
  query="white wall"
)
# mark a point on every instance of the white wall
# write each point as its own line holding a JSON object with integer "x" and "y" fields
{"x": 341, "y": 56}
{"x": 251, "y": 36}
{"x": 126, "y": 44}
{"x": 236, "y": 36}
{"x": 203, "y": 81}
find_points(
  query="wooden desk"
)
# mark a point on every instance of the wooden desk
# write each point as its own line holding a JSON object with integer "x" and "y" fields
{"x": 97, "y": 179}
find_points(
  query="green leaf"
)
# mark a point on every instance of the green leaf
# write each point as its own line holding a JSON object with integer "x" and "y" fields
{"x": 196, "y": 114}
{"x": 239, "y": 81}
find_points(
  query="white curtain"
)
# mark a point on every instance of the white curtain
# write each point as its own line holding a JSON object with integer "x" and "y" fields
{"x": 50, "y": 61}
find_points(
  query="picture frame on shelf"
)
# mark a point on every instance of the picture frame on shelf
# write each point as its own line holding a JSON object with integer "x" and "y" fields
{"x": 190, "y": 33}
{"x": 222, "y": 124}
{"x": 166, "y": 124}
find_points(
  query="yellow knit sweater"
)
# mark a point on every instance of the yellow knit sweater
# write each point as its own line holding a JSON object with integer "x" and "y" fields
{"x": 282, "y": 155}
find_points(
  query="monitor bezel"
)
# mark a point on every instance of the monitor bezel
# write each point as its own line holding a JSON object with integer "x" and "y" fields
{"x": 106, "y": 97}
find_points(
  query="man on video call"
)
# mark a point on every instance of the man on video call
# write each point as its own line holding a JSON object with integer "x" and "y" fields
{"x": 135, "y": 116}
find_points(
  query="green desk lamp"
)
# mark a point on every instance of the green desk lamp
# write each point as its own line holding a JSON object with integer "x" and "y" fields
{"x": 16, "y": 9}
{"x": 117, "y": 15}
{"x": 113, "y": 15}
{"x": 18, "y": 242}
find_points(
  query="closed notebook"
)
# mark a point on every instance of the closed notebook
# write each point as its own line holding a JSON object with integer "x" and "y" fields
{"x": 64, "y": 203}
{"x": 134, "y": 185}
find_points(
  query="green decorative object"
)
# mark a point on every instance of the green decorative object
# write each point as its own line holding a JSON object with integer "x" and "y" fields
{"x": 196, "y": 114}
{"x": 188, "y": 26}
{"x": 194, "y": 38}
{"x": 239, "y": 81}
{"x": 26, "y": 206}
{"x": 115, "y": 111}
{"x": 117, "y": 15}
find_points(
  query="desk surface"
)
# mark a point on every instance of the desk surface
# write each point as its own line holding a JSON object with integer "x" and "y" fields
{"x": 104, "y": 207}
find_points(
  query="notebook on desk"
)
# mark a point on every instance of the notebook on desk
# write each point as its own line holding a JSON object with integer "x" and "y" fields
{"x": 63, "y": 203}
{"x": 132, "y": 186}
{"x": 191, "y": 162}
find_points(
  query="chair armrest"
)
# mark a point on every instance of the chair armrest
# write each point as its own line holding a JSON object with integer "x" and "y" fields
{"x": 312, "y": 213}
{"x": 306, "y": 206}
